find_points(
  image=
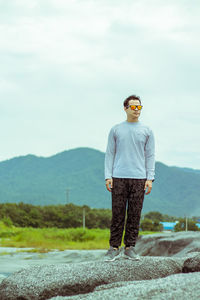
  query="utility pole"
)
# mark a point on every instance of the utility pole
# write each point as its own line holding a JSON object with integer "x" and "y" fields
{"x": 186, "y": 224}
{"x": 67, "y": 195}
{"x": 84, "y": 218}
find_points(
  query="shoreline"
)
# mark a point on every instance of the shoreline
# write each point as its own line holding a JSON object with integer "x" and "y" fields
{"x": 14, "y": 260}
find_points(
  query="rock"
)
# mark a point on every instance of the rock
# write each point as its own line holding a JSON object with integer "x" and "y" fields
{"x": 2, "y": 277}
{"x": 44, "y": 282}
{"x": 150, "y": 278}
{"x": 192, "y": 264}
{"x": 176, "y": 287}
{"x": 169, "y": 244}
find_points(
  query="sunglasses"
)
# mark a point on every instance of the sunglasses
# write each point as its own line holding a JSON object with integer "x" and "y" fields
{"x": 133, "y": 107}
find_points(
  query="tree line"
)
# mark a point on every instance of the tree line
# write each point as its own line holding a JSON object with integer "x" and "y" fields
{"x": 60, "y": 216}
{"x": 151, "y": 222}
{"x": 73, "y": 216}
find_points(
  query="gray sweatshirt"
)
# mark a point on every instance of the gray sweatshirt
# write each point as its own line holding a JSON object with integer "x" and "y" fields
{"x": 130, "y": 151}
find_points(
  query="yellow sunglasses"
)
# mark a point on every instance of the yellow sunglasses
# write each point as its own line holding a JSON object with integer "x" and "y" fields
{"x": 133, "y": 107}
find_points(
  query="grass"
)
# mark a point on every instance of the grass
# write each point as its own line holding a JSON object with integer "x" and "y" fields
{"x": 46, "y": 239}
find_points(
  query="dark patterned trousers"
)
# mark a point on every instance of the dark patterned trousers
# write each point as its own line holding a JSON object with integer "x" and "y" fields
{"x": 127, "y": 197}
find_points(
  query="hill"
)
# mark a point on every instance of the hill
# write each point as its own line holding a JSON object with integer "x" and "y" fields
{"x": 77, "y": 176}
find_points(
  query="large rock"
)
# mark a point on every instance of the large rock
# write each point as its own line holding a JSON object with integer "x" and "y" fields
{"x": 176, "y": 287}
{"x": 192, "y": 264}
{"x": 169, "y": 244}
{"x": 113, "y": 279}
{"x": 44, "y": 282}
{"x": 2, "y": 277}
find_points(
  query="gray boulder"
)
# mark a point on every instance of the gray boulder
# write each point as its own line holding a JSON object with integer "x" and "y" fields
{"x": 44, "y": 282}
{"x": 152, "y": 277}
{"x": 169, "y": 244}
{"x": 176, "y": 287}
{"x": 2, "y": 277}
{"x": 192, "y": 264}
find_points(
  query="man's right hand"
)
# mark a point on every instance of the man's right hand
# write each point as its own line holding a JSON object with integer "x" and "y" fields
{"x": 109, "y": 184}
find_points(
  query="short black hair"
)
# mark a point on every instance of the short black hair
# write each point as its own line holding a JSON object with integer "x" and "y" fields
{"x": 132, "y": 97}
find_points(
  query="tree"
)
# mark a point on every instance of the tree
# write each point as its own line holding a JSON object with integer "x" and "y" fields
{"x": 146, "y": 225}
{"x": 7, "y": 221}
{"x": 154, "y": 215}
{"x": 157, "y": 226}
{"x": 181, "y": 225}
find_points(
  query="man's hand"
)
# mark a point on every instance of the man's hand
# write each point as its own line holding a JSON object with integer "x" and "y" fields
{"x": 109, "y": 184}
{"x": 148, "y": 184}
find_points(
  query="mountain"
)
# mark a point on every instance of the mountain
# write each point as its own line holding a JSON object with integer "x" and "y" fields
{"x": 175, "y": 191}
{"x": 77, "y": 176}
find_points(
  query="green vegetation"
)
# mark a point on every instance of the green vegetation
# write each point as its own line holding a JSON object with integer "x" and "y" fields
{"x": 147, "y": 224}
{"x": 181, "y": 225}
{"x": 151, "y": 221}
{"x": 157, "y": 216}
{"x": 46, "y": 239}
{"x": 60, "y": 216}
{"x": 60, "y": 226}
{"x": 77, "y": 176}
{"x": 71, "y": 216}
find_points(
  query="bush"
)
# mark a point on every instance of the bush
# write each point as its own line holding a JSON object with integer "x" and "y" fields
{"x": 7, "y": 221}
{"x": 60, "y": 216}
{"x": 154, "y": 215}
{"x": 81, "y": 235}
{"x": 181, "y": 225}
{"x": 146, "y": 225}
{"x": 149, "y": 225}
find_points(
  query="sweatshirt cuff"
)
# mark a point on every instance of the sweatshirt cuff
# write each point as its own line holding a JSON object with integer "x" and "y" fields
{"x": 151, "y": 179}
{"x": 150, "y": 176}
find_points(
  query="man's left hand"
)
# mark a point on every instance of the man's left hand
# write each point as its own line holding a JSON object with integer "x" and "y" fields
{"x": 148, "y": 186}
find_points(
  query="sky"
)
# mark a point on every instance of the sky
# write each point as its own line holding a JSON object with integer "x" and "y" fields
{"x": 67, "y": 66}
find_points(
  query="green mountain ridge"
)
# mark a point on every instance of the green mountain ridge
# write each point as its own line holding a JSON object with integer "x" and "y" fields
{"x": 77, "y": 176}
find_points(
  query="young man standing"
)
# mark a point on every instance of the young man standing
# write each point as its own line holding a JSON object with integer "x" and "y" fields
{"x": 129, "y": 172}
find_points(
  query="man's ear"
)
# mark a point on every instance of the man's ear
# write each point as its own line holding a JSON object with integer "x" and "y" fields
{"x": 125, "y": 108}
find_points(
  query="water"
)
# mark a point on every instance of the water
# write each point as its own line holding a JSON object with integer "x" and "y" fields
{"x": 12, "y": 261}
{"x": 5, "y": 274}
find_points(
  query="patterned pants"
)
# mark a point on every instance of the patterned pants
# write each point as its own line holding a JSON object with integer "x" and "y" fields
{"x": 127, "y": 196}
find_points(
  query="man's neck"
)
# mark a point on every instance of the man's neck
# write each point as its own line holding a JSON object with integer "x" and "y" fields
{"x": 133, "y": 120}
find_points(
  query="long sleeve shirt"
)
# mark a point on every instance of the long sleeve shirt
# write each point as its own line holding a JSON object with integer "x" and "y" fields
{"x": 130, "y": 151}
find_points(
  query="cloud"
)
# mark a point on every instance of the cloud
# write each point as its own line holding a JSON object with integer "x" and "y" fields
{"x": 66, "y": 67}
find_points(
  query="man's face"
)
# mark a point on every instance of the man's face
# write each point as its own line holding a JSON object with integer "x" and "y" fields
{"x": 133, "y": 113}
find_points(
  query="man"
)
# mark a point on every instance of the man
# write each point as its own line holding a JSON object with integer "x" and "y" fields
{"x": 129, "y": 172}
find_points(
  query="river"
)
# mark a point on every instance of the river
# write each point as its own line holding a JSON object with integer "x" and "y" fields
{"x": 11, "y": 260}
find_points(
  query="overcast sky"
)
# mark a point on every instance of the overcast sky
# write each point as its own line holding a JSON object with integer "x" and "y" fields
{"x": 67, "y": 66}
